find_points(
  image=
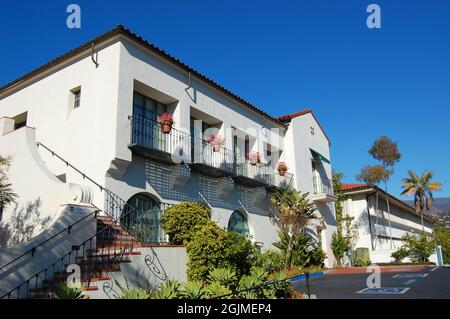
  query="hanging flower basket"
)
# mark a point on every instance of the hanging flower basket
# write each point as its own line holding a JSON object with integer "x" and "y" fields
{"x": 254, "y": 158}
{"x": 166, "y": 122}
{"x": 216, "y": 141}
{"x": 282, "y": 168}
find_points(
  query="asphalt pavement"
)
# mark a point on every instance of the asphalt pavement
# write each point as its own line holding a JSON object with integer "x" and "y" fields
{"x": 399, "y": 282}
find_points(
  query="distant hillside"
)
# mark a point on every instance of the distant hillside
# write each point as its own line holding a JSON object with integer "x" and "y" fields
{"x": 440, "y": 205}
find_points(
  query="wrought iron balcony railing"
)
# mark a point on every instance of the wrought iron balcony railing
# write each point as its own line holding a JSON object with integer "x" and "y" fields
{"x": 322, "y": 185}
{"x": 203, "y": 153}
{"x": 148, "y": 133}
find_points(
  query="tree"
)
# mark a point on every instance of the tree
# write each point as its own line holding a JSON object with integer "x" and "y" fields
{"x": 341, "y": 241}
{"x": 373, "y": 175}
{"x": 441, "y": 236}
{"x": 295, "y": 212}
{"x": 7, "y": 196}
{"x": 386, "y": 151}
{"x": 422, "y": 189}
{"x": 339, "y": 246}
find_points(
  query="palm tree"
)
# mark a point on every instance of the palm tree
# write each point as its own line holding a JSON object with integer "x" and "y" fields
{"x": 295, "y": 211}
{"x": 422, "y": 189}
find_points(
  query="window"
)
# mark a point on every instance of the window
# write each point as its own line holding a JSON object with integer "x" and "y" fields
{"x": 20, "y": 120}
{"x": 238, "y": 224}
{"x": 141, "y": 216}
{"x": 146, "y": 107}
{"x": 76, "y": 97}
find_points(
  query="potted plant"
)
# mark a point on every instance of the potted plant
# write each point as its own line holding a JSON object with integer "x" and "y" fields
{"x": 254, "y": 157}
{"x": 166, "y": 122}
{"x": 282, "y": 168}
{"x": 217, "y": 141}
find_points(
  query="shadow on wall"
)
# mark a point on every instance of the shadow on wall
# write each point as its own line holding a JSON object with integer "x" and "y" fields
{"x": 363, "y": 222}
{"x": 23, "y": 224}
{"x": 159, "y": 176}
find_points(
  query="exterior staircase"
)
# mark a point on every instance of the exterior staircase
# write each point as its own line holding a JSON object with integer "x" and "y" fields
{"x": 114, "y": 247}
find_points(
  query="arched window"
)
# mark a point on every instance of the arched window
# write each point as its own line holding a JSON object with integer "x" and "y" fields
{"x": 141, "y": 217}
{"x": 238, "y": 224}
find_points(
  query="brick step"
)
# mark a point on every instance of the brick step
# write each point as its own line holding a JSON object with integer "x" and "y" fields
{"x": 100, "y": 256}
{"x": 85, "y": 282}
{"x": 101, "y": 263}
{"x": 110, "y": 237}
{"x": 109, "y": 249}
{"x": 104, "y": 217}
{"x": 108, "y": 223}
{"x": 120, "y": 244}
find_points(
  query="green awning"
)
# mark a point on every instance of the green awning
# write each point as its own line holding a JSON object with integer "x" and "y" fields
{"x": 319, "y": 156}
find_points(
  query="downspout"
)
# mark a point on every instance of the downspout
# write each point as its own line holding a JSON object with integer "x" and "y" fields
{"x": 189, "y": 81}
{"x": 94, "y": 60}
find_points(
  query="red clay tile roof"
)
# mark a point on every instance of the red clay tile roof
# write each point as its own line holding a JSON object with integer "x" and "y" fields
{"x": 353, "y": 187}
{"x": 120, "y": 29}
{"x": 288, "y": 117}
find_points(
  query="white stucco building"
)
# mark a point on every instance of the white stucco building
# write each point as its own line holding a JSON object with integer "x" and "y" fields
{"x": 378, "y": 230}
{"x": 96, "y": 107}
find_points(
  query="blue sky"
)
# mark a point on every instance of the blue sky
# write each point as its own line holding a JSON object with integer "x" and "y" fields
{"x": 284, "y": 56}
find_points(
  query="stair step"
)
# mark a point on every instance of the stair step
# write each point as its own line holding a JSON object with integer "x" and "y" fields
{"x": 104, "y": 217}
{"x": 95, "y": 257}
{"x": 117, "y": 247}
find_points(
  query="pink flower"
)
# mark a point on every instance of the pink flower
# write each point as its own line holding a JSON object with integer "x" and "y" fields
{"x": 165, "y": 118}
{"x": 216, "y": 139}
{"x": 282, "y": 165}
{"x": 253, "y": 155}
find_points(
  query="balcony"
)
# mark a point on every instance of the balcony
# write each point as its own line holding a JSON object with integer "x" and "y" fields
{"x": 252, "y": 175}
{"x": 323, "y": 190}
{"x": 213, "y": 163}
{"x": 147, "y": 139}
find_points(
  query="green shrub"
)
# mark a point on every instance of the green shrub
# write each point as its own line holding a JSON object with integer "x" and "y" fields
{"x": 400, "y": 254}
{"x": 136, "y": 294}
{"x": 183, "y": 220}
{"x": 63, "y": 291}
{"x": 339, "y": 246}
{"x": 419, "y": 248}
{"x": 271, "y": 261}
{"x": 298, "y": 253}
{"x": 361, "y": 262}
{"x": 224, "y": 283}
{"x": 317, "y": 257}
{"x": 214, "y": 247}
{"x": 441, "y": 236}
{"x": 171, "y": 289}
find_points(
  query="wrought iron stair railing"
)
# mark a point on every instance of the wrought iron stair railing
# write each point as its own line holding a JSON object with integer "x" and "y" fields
{"x": 114, "y": 210}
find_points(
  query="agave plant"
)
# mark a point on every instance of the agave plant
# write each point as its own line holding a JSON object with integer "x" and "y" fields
{"x": 136, "y": 294}
{"x": 224, "y": 276}
{"x": 217, "y": 290}
{"x": 169, "y": 290}
{"x": 193, "y": 290}
{"x": 63, "y": 291}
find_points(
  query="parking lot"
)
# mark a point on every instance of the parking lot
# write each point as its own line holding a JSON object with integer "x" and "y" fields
{"x": 404, "y": 282}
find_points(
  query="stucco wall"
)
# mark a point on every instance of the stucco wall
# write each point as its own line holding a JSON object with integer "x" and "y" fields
{"x": 374, "y": 231}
